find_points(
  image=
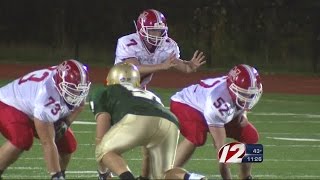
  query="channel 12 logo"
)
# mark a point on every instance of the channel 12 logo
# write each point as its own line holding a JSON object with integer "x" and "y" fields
{"x": 236, "y": 152}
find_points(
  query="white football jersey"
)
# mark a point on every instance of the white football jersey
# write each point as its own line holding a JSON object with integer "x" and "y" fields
{"x": 35, "y": 94}
{"x": 211, "y": 97}
{"x": 131, "y": 46}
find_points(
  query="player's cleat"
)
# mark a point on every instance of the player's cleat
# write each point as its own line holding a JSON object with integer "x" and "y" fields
{"x": 57, "y": 176}
{"x": 104, "y": 176}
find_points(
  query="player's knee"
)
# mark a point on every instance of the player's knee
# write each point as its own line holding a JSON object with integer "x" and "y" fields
{"x": 249, "y": 135}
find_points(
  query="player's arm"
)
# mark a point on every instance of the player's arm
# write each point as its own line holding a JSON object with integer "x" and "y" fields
{"x": 62, "y": 125}
{"x": 151, "y": 68}
{"x": 103, "y": 120}
{"x": 74, "y": 114}
{"x": 46, "y": 133}
{"x": 191, "y": 66}
{"x": 219, "y": 136}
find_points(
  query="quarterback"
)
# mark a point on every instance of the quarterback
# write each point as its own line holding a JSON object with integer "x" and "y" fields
{"x": 43, "y": 104}
{"x": 128, "y": 116}
{"x": 219, "y": 106}
{"x": 151, "y": 50}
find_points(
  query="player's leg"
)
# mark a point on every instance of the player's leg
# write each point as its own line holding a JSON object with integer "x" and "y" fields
{"x": 67, "y": 145}
{"x": 243, "y": 131}
{"x": 184, "y": 152}
{"x": 145, "y": 171}
{"x": 116, "y": 163}
{"x": 249, "y": 135}
{"x": 16, "y": 127}
{"x": 130, "y": 132}
{"x": 179, "y": 173}
{"x": 193, "y": 127}
{"x": 162, "y": 148}
{"x": 9, "y": 153}
{"x": 245, "y": 171}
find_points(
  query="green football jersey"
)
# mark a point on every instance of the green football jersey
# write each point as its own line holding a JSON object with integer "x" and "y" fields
{"x": 119, "y": 100}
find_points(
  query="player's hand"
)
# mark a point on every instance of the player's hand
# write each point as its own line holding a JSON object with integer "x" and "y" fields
{"x": 197, "y": 60}
{"x": 60, "y": 128}
{"x": 170, "y": 62}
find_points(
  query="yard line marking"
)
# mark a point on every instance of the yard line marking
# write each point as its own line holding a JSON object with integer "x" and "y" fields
{"x": 25, "y": 168}
{"x": 284, "y": 114}
{"x": 265, "y": 145}
{"x": 282, "y": 133}
{"x": 273, "y": 145}
{"x": 305, "y": 115}
{"x": 86, "y": 122}
{"x": 93, "y": 175}
{"x": 294, "y": 139}
{"x": 296, "y": 122}
{"x": 194, "y": 159}
{"x": 296, "y": 146}
{"x": 84, "y": 132}
{"x": 318, "y": 134}
{"x": 82, "y": 172}
{"x": 75, "y": 158}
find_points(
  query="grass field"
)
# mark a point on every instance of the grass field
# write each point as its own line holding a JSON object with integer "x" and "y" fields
{"x": 289, "y": 127}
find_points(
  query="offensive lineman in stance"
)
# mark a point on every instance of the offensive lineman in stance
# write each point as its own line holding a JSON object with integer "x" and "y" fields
{"x": 43, "y": 104}
{"x": 219, "y": 106}
{"x": 128, "y": 116}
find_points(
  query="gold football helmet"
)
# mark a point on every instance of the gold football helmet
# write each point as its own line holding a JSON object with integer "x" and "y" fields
{"x": 124, "y": 73}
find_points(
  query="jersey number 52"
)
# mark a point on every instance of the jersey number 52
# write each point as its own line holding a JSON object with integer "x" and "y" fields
{"x": 221, "y": 106}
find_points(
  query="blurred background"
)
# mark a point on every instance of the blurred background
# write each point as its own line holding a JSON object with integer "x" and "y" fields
{"x": 274, "y": 35}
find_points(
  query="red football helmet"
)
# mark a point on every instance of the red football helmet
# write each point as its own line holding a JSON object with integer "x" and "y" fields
{"x": 151, "y": 21}
{"x": 244, "y": 86}
{"x": 72, "y": 82}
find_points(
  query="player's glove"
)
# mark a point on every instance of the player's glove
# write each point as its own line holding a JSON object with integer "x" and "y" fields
{"x": 60, "y": 127}
{"x": 57, "y": 176}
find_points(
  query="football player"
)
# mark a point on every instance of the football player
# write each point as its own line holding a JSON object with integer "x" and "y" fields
{"x": 151, "y": 50}
{"x": 128, "y": 116}
{"x": 43, "y": 104}
{"x": 219, "y": 106}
